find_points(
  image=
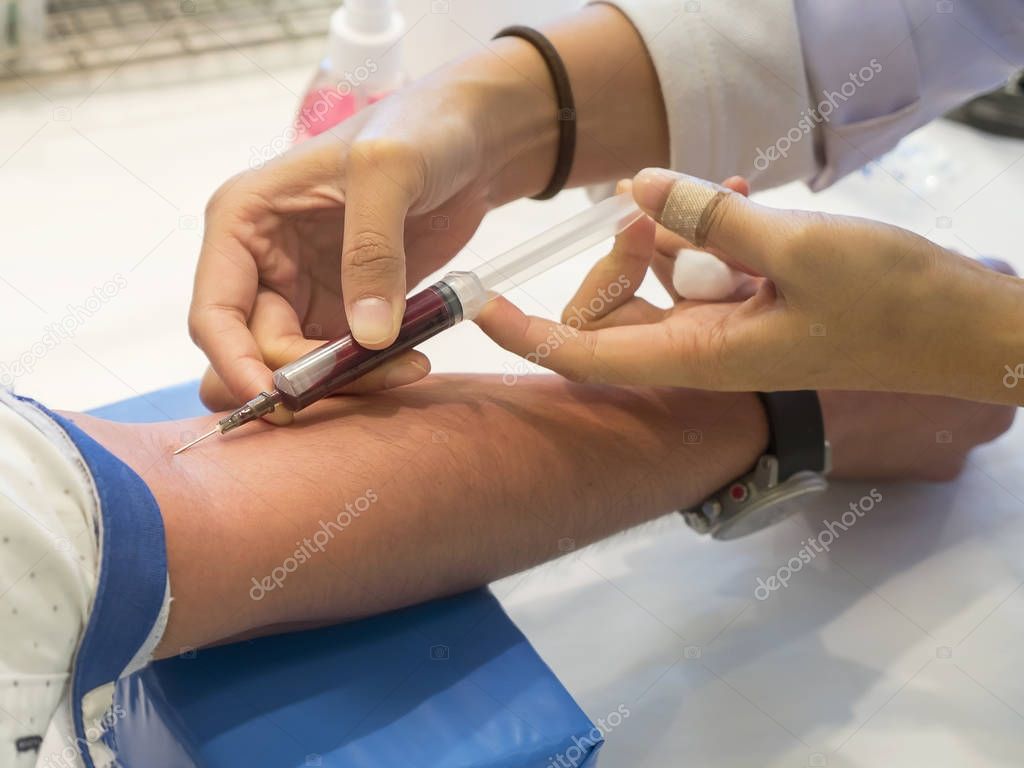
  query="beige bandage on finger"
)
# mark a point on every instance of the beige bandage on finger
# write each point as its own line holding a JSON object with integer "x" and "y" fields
{"x": 689, "y": 207}
{"x": 688, "y": 212}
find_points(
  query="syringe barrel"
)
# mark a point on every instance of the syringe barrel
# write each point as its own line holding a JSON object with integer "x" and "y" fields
{"x": 562, "y": 241}
{"x": 338, "y": 363}
{"x": 458, "y": 295}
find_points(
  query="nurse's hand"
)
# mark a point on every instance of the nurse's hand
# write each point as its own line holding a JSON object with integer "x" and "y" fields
{"x": 403, "y": 196}
{"x": 329, "y": 236}
{"x": 837, "y": 303}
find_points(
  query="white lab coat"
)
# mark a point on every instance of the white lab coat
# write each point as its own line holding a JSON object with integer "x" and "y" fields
{"x": 778, "y": 90}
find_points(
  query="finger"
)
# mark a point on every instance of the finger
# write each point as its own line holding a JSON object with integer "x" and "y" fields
{"x": 710, "y": 216}
{"x": 217, "y": 397}
{"x": 662, "y": 266}
{"x": 738, "y": 184}
{"x": 378, "y": 195}
{"x": 214, "y": 394}
{"x": 635, "y": 354}
{"x": 222, "y": 299}
{"x": 276, "y": 328}
{"x": 614, "y": 279}
{"x": 407, "y": 368}
{"x": 668, "y": 241}
{"x": 635, "y": 312}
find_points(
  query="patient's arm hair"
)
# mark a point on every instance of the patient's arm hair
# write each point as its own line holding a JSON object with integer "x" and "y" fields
{"x": 455, "y": 481}
{"x": 436, "y": 488}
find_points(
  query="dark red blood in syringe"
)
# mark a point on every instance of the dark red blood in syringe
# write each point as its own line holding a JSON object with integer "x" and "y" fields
{"x": 426, "y": 314}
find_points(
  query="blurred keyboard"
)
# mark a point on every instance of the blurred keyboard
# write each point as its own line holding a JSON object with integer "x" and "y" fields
{"x": 109, "y": 34}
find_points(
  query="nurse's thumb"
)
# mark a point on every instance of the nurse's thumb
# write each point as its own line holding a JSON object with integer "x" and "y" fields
{"x": 708, "y": 215}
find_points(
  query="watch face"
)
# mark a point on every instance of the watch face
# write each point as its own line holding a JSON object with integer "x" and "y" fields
{"x": 754, "y": 518}
{"x": 768, "y": 507}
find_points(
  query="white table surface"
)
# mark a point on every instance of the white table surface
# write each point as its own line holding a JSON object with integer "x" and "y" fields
{"x": 901, "y": 647}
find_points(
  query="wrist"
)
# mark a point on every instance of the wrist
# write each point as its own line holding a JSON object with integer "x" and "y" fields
{"x": 984, "y": 337}
{"x": 509, "y": 98}
{"x": 733, "y": 428}
{"x": 1002, "y": 330}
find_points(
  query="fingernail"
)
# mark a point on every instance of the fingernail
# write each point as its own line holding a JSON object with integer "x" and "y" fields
{"x": 404, "y": 374}
{"x": 371, "y": 320}
{"x": 651, "y": 188}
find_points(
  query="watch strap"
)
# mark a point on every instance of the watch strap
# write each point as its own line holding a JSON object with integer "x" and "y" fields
{"x": 796, "y": 431}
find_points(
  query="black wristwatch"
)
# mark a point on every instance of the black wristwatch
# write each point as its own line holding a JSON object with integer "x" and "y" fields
{"x": 795, "y": 465}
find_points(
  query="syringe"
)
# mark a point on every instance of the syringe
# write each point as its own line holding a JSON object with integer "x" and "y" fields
{"x": 455, "y": 297}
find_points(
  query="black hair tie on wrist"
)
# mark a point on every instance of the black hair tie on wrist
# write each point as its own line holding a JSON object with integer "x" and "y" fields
{"x": 566, "y": 106}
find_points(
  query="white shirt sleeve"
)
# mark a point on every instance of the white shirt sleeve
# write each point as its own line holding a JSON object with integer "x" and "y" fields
{"x": 778, "y": 90}
{"x": 48, "y": 572}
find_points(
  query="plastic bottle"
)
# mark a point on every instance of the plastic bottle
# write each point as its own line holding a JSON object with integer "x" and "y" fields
{"x": 363, "y": 65}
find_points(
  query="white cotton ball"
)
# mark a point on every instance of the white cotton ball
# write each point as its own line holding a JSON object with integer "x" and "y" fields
{"x": 702, "y": 276}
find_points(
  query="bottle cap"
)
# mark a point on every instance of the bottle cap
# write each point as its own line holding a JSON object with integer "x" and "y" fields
{"x": 364, "y": 44}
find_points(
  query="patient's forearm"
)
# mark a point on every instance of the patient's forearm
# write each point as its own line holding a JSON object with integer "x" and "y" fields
{"x": 427, "y": 491}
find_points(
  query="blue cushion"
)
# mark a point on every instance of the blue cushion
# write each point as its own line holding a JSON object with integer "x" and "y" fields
{"x": 178, "y": 402}
{"x": 448, "y": 684}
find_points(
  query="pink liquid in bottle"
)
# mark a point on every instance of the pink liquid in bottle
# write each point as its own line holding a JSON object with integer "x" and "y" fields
{"x": 362, "y": 65}
{"x": 324, "y": 107}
